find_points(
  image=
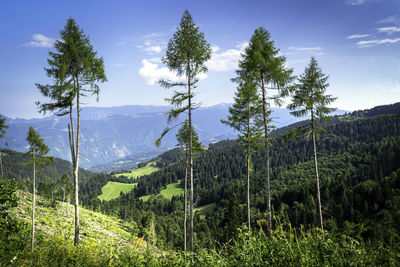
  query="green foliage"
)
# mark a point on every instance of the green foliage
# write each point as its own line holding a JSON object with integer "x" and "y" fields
{"x": 187, "y": 50}
{"x": 3, "y": 126}
{"x": 309, "y": 98}
{"x": 75, "y": 68}
{"x": 245, "y": 113}
{"x": 183, "y": 138}
{"x": 113, "y": 190}
{"x": 8, "y": 198}
{"x": 186, "y": 55}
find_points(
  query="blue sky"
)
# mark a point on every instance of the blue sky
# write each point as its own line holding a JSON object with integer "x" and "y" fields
{"x": 357, "y": 43}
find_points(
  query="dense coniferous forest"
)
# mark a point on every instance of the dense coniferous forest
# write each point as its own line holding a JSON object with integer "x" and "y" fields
{"x": 359, "y": 166}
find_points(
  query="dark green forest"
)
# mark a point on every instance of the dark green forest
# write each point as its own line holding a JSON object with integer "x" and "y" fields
{"x": 360, "y": 188}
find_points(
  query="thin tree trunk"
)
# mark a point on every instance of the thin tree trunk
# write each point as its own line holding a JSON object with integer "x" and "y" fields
{"x": 190, "y": 164}
{"x": 1, "y": 166}
{"x": 248, "y": 168}
{"x": 264, "y": 103}
{"x": 76, "y": 241}
{"x": 33, "y": 201}
{"x": 316, "y": 172}
{"x": 185, "y": 204}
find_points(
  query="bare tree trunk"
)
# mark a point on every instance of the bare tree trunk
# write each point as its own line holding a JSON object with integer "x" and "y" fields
{"x": 316, "y": 172}
{"x": 185, "y": 204}
{"x": 264, "y": 103}
{"x": 248, "y": 167}
{"x": 33, "y": 201}
{"x": 76, "y": 185}
{"x": 190, "y": 165}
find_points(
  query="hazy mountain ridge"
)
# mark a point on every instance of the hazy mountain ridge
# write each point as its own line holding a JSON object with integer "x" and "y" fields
{"x": 114, "y": 133}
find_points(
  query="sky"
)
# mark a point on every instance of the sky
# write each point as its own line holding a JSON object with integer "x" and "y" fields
{"x": 356, "y": 42}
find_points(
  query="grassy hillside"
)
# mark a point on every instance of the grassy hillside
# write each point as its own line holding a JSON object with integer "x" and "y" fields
{"x": 174, "y": 189}
{"x": 138, "y": 172}
{"x": 95, "y": 227}
{"x": 112, "y": 190}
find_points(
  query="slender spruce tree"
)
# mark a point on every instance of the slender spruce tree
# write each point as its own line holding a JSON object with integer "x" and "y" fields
{"x": 76, "y": 72}
{"x": 310, "y": 98}
{"x": 245, "y": 119}
{"x": 183, "y": 141}
{"x": 263, "y": 61}
{"x": 186, "y": 55}
{"x": 37, "y": 150}
{"x": 3, "y": 128}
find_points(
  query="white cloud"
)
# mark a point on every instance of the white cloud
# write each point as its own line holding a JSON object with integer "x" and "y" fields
{"x": 355, "y": 2}
{"x": 305, "y": 49}
{"x": 152, "y": 35}
{"x": 377, "y": 42}
{"x": 40, "y": 40}
{"x": 152, "y": 49}
{"x": 152, "y": 73}
{"x": 225, "y": 60}
{"x": 389, "y": 30}
{"x": 390, "y": 20}
{"x": 155, "y": 59}
{"x": 357, "y": 36}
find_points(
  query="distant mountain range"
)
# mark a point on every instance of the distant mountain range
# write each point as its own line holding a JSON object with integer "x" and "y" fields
{"x": 124, "y": 134}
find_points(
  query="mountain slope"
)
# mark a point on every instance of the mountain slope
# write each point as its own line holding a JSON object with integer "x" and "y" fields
{"x": 359, "y": 166}
{"x": 112, "y": 134}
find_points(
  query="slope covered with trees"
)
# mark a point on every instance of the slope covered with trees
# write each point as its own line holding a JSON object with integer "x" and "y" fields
{"x": 359, "y": 167}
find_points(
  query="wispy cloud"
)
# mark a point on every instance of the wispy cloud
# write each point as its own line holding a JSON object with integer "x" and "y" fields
{"x": 40, "y": 40}
{"x": 389, "y": 30}
{"x": 357, "y": 36}
{"x": 153, "y": 35}
{"x": 355, "y": 2}
{"x": 226, "y": 60}
{"x": 153, "y": 44}
{"x": 377, "y": 42}
{"x": 301, "y": 50}
{"x": 390, "y": 20}
{"x": 304, "y": 49}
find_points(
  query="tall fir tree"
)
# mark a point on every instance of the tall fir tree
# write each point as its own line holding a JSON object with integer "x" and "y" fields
{"x": 3, "y": 128}
{"x": 186, "y": 55}
{"x": 263, "y": 61}
{"x": 37, "y": 150}
{"x": 310, "y": 98}
{"x": 76, "y": 71}
{"x": 245, "y": 119}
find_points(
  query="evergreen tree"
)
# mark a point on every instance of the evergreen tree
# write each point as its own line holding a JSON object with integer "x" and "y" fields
{"x": 37, "y": 150}
{"x": 76, "y": 71}
{"x": 66, "y": 186}
{"x": 232, "y": 218}
{"x": 244, "y": 118}
{"x": 3, "y": 128}
{"x": 183, "y": 140}
{"x": 186, "y": 54}
{"x": 309, "y": 98}
{"x": 262, "y": 61}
